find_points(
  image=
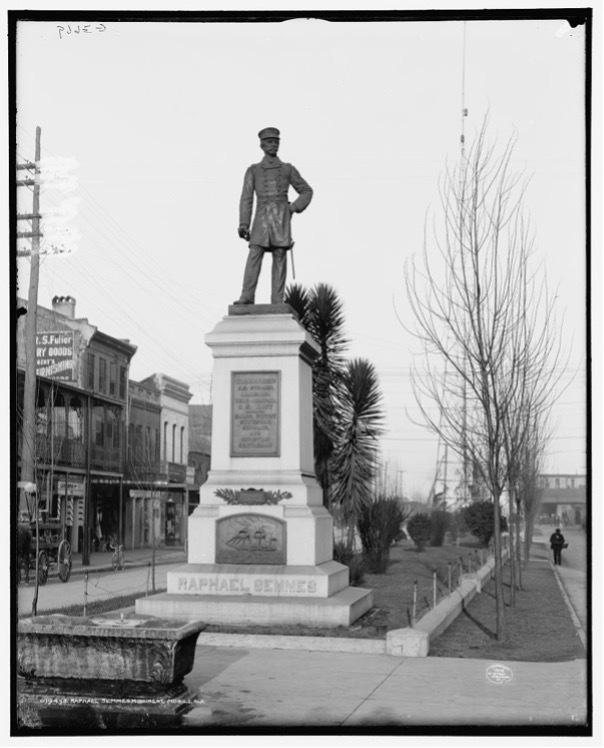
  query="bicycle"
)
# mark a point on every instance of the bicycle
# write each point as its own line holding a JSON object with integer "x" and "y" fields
{"x": 117, "y": 558}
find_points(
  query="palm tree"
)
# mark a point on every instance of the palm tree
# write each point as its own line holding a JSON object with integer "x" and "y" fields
{"x": 346, "y": 406}
{"x": 354, "y": 460}
{"x": 321, "y": 314}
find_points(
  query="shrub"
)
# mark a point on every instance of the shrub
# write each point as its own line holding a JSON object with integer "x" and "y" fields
{"x": 440, "y": 523}
{"x": 479, "y": 517}
{"x": 419, "y": 529}
{"x": 354, "y": 561}
{"x": 379, "y": 524}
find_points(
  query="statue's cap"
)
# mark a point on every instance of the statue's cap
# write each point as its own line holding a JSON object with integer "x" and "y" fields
{"x": 269, "y": 132}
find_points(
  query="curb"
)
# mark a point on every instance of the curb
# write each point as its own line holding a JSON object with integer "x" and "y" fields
{"x": 303, "y": 643}
{"x": 127, "y": 566}
{"x": 415, "y": 641}
{"x": 569, "y": 605}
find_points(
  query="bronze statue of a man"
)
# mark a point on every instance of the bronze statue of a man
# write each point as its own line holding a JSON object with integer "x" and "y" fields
{"x": 271, "y": 229}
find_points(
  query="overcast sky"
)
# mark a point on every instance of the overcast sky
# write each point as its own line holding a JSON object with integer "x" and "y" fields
{"x": 162, "y": 119}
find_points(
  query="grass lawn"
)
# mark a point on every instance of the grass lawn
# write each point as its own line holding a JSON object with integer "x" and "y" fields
{"x": 540, "y": 626}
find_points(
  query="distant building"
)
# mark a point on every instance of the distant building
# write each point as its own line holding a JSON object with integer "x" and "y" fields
{"x": 81, "y": 402}
{"x": 158, "y": 481}
{"x": 564, "y": 497}
{"x": 200, "y": 440}
{"x": 143, "y": 463}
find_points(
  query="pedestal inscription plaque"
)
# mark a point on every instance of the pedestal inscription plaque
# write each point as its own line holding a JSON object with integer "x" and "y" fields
{"x": 255, "y": 400}
{"x": 250, "y": 539}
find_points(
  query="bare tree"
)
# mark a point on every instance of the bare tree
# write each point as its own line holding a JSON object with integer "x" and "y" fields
{"x": 528, "y": 490}
{"x": 143, "y": 471}
{"x": 535, "y": 352}
{"x": 477, "y": 319}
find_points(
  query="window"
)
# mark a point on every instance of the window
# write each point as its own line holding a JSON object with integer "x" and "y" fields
{"x": 182, "y": 444}
{"x": 59, "y": 421}
{"x": 59, "y": 416}
{"x": 557, "y": 482}
{"x": 109, "y": 428}
{"x": 138, "y": 443}
{"x": 113, "y": 378}
{"x": 117, "y": 430}
{"x": 74, "y": 419}
{"x": 572, "y": 482}
{"x": 122, "y": 383}
{"x": 174, "y": 443}
{"x": 91, "y": 371}
{"x": 166, "y": 441}
{"x": 102, "y": 375}
{"x": 98, "y": 426}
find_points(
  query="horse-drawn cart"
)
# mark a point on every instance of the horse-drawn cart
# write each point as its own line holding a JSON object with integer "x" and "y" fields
{"x": 42, "y": 539}
{"x": 52, "y": 548}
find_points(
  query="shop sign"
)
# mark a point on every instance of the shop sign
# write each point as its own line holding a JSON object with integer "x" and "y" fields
{"x": 54, "y": 355}
{"x": 73, "y": 488}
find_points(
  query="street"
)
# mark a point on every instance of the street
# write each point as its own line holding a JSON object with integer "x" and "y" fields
{"x": 101, "y": 585}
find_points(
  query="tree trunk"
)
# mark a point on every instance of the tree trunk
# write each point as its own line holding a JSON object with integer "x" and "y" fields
{"x": 529, "y": 526}
{"x": 512, "y": 550}
{"x": 499, "y": 600}
{"x": 518, "y": 546}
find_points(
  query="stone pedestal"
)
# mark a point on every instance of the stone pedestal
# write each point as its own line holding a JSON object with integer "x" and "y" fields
{"x": 261, "y": 541}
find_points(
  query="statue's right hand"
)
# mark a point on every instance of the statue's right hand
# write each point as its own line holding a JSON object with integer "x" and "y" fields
{"x": 243, "y": 233}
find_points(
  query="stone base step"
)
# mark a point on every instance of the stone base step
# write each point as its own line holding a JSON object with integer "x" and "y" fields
{"x": 324, "y": 580}
{"x": 341, "y": 609}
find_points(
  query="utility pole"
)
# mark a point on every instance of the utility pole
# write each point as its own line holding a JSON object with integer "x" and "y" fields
{"x": 28, "y": 443}
{"x": 464, "y": 114}
{"x": 28, "y": 446}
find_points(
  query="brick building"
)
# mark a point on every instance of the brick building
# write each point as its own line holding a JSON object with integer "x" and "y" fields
{"x": 81, "y": 404}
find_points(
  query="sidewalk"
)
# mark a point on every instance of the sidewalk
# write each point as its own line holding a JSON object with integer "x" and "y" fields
{"x": 253, "y": 688}
{"x": 101, "y": 561}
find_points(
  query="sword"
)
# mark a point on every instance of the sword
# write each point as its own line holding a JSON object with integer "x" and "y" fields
{"x": 293, "y": 266}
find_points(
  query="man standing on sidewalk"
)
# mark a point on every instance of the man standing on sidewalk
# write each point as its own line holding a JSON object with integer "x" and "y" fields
{"x": 557, "y": 543}
{"x": 270, "y": 231}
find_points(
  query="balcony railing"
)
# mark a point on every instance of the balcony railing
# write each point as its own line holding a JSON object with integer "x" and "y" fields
{"x": 106, "y": 458}
{"x": 55, "y": 451}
